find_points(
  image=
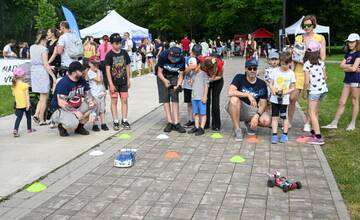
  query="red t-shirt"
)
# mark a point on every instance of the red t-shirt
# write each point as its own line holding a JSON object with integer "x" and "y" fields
{"x": 185, "y": 44}
{"x": 219, "y": 62}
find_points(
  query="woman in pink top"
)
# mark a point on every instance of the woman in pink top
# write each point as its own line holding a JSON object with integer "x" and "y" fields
{"x": 103, "y": 49}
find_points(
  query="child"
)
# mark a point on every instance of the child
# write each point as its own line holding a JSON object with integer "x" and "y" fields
{"x": 282, "y": 83}
{"x": 273, "y": 62}
{"x": 20, "y": 90}
{"x": 200, "y": 85}
{"x": 98, "y": 91}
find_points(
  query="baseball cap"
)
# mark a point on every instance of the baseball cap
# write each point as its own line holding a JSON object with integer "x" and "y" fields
{"x": 197, "y": 49}
{"x": 115, "y": 38}
{"x": 175, "y": 54}
{"x": 251, "y": 62}
{"x": 76, "y": 66}
{"x": 94, "y": 59}
{"x": 273, "y": 54}
{"x": 353, "y": 37}
{"x": 314, "y": 46}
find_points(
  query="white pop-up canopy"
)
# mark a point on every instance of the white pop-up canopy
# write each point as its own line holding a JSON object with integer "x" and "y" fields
{"x": 114, "y": 23}
{"x": 297, "y": 29}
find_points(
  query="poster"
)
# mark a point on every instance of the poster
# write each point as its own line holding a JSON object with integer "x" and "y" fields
{"x": 7, "y": 67}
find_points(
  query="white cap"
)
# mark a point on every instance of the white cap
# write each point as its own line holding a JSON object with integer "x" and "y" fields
{"x": 353, "y": 37}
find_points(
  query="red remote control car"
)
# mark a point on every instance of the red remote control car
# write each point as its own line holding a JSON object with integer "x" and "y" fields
{"x": 275, "y": 179}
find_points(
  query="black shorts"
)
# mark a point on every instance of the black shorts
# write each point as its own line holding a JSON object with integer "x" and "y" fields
{"x": 166, "y": 95}
{"x": 187, "y": 95}
{"x": 279, "y": 110}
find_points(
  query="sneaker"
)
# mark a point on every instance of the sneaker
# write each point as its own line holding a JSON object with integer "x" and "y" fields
{"x": 81, "y": 130}
{"x": 207, "y": 127}
{"x": 62, "y": 131}
{"x": 16, "y": 133}
{"x": 32, "y": 130}
{"x": 274, "y": 139}
{"x": 307, "y": 128}
{"x": 250, "y": 131}
{"x": 116, "y": 126}
{"x": 95, "y": 128}
{"x": 316, "y": 141}
{"x": 36, "y": 120}
{"x": 238, "y": 135}
{"x": 52, "y": 125}
{"x": 200, "y": 132}
{"x": 284, "y": 138}
{"x": 104, "y": 127}
{"x": 304, "y": 138}
{"x": 193, "y": 130}
{"x": 189, "y": 124}
{"x": 125, "y": 125}
{"x": 169, "y": 127}
{"x": 216, "y": 129}
{"x": 179, "y": 128}
{"x": 350, "y": 127}
{"x": 330, "y": 126}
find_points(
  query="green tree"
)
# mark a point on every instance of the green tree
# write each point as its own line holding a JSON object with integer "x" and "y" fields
{"x": 46, "y": 17}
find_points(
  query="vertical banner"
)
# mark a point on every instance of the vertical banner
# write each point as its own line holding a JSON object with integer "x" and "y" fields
{"x": 70, "y": 18}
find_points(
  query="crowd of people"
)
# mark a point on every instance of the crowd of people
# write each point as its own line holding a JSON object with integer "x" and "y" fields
{"x": 196, "y": 69}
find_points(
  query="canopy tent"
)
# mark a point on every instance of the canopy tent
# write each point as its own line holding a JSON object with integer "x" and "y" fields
{"x": 297, "y": 29}
{"x": 262, "y": 33}
{"x": 114, "y": 23}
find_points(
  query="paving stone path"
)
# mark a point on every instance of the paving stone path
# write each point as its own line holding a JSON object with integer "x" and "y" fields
{"x": 201, "y": 183}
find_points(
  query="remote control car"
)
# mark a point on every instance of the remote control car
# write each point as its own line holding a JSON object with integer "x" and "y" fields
{"x": 275, "y": 179}
{"x": 126, "y": 158}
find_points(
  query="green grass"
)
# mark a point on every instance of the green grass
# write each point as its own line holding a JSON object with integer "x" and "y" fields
{"x": 6, "y": 101}
{"x": 342, "y": 149}
{"x": 335, "y": 57}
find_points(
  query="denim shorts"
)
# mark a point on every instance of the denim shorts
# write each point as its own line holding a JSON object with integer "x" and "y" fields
{"x": 317, "y": 97}
{"x": 198, "y": 107}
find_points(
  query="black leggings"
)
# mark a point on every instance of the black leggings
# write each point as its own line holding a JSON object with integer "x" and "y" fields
{"x": 213, "y": 100}
{"x": 19, "y": 112}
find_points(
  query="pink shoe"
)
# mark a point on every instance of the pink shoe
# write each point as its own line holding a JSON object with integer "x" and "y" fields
{"x": 31, "y": 130}
{"x": 304, "y": 138}
{"x": 316, "y": 141}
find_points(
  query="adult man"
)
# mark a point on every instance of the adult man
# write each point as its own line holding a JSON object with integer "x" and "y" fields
{"x": 171, "y": 68}
{"x": 7, "y": 51}
{"x": 63, "y": 44}
{"x": 73, "y": 102}
{"x": 205, "y": 48}
{"x": 248, "y": 95}
{"x": 185, "y": 43}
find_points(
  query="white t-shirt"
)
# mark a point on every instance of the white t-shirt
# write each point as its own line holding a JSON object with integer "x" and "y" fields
{"x": 148, "y": 50}
{"x": 268, "y": 73}
{"x": 282, "y": 81}
{"x": 128, "y": 43}
{"x": 64, "y": 41}
{"x": 96, "y": 88}
{"x": 8, "y": 50}
{"x": 317, "y": 77}
{"x": 205, "y": 48}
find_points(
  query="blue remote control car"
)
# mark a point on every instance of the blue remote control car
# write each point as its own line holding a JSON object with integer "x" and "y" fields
{"x": 126, "y": 158}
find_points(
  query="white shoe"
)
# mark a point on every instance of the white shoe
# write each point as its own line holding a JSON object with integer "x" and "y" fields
{"x": 350, "y": 127}
{"x": 330, "y": 126}
{"x": 307, "y": 128}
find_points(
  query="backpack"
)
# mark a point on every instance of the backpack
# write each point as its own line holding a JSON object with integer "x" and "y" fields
{"x": 75, "y": 48}
{"x": 299, "y": 51}
{"x": 134, "y": 49}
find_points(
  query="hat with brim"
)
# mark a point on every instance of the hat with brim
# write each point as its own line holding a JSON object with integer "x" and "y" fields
{"x": 251, "y": 63}
{"x": 353, "y": 37}
{"x": 175, "y": 54}
{"x": 115, "y": 38}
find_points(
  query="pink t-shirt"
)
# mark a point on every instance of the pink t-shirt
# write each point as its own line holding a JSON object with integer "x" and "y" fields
{"x": 102, "y": 52}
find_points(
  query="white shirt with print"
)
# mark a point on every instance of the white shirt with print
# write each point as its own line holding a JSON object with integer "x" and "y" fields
{"x": 282, "y": 81}
{"x": 97, "y": 89}
{"x": 317, "y": 83}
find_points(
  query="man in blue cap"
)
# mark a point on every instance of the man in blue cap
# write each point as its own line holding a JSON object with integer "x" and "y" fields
{"x": 248, "y": 95}
{"x": 170, "y": 73}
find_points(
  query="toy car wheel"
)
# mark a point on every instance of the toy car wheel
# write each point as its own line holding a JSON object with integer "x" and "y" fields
{"x": 271, "y": 183}
{"x": 285, "y": 189}
{"x": 298, "y": 185}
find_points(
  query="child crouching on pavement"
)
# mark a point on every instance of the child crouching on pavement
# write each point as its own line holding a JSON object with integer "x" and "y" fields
{"x": 200, "y": 84}
{"x": 98, "y": 91}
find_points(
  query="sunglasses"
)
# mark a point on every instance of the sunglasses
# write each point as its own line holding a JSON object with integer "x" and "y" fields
{"x": 252, "y": 68}
{"x": 307, "y": 26}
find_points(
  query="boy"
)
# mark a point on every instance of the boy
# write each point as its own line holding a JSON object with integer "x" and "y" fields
{"x": 273, "y": 62}
{"x": 200, "y": 85}
{"x": 118, "y": 72}
{"x": 97, "y": 90}
{"x": 282, "y": 83}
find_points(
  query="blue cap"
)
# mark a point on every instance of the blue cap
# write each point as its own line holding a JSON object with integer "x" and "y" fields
{"x": 251, "y": 62}
{"x": 273, "y": 54}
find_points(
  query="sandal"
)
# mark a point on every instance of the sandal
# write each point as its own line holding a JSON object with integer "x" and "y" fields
{"x": 36, "y": 120}
{"x": 43, "y": 123}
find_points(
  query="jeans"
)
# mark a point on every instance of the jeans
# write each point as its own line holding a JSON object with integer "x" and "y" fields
{"x": 19, "y": 112}
{"x": 213, "y": 101}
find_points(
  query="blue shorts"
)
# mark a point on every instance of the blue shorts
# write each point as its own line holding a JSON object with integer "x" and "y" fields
{"x": 317, "y": 97}
{"x": 198, "y": 107}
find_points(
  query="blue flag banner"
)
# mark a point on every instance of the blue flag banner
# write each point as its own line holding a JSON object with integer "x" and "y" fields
{"x": 70, "y": 18}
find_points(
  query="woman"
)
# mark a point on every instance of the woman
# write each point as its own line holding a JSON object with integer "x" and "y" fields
{"x": 149, "y": 50}
{"x": 214, "y": 68}
{"x": 103, "y": 49}
{"x": 351, "y": 67}
{"x": 40, "y": 71}
{"x": 308, "y": 24}
{"x": 89, "y": 50}
{"x": 53, "y": 37}
{"x": 250, "y": 48}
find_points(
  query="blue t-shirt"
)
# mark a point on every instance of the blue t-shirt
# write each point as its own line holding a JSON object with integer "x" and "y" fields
{"x": 352, "y": 77}
{"x": 71, "y": 90}
{"x": 168, "y": 67}
{"x": 258, "y": 90}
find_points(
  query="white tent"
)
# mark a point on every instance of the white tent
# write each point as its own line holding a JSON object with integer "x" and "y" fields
{"x": 114, "y": 23}
{"x": 297, "y": 29}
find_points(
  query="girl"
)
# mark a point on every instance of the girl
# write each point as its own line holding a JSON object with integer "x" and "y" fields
{"x": 149, "y": 50}
{"x": 20, "y": 90}
{"x": 350, "y": 65}
{"x": 89, "y": 50}
{"x": 315, "y": 90}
